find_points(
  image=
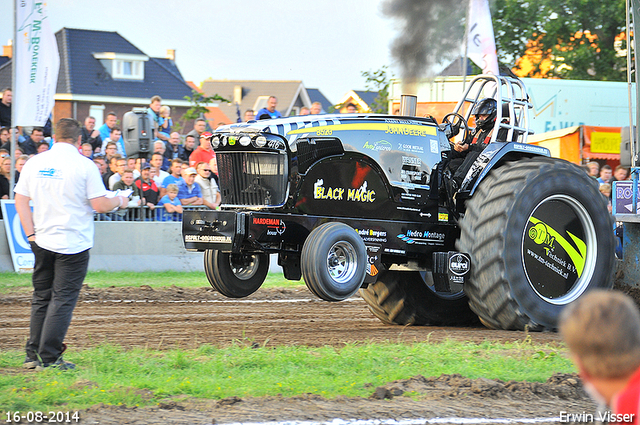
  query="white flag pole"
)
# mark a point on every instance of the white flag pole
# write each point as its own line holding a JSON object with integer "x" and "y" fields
{"x": 14, "y": 140}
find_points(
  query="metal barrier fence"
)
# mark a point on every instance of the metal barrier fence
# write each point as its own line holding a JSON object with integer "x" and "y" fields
{"x": 144, "y": 214}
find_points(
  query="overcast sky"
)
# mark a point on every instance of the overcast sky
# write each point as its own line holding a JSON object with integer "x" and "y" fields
{"x": 324, "y": 43}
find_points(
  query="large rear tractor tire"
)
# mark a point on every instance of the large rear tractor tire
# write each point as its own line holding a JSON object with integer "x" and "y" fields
{"x": 540, "y": 236}
{"x": 334, "y": 261}
{"x": 406, "y": 298}
{"x": 235, "y": 275}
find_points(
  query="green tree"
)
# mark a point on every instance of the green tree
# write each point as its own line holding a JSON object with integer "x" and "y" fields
{"x": 198, "y": 108}
{"x": 575, "y": 37}
{"x": 378, "y": 81}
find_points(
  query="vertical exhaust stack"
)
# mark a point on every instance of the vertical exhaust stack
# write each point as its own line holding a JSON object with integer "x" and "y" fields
{"x": 408, "y": 105}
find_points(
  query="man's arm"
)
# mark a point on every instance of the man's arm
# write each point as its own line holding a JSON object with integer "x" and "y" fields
{"x": 26, "y": 216}
{"x": 191, "y": 201}
{"x": 102, "y": 204}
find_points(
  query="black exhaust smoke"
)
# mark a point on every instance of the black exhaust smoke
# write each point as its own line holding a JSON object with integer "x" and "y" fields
{"x": 432, "y": 33}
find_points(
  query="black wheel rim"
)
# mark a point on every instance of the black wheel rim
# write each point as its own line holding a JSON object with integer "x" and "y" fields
{"x": 559, "y": 249}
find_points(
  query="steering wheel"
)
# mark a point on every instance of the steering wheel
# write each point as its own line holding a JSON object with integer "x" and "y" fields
{"x": 455, "y": 120}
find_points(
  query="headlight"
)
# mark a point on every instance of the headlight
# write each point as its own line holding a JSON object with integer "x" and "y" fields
{"x": 260, "y": 141}
{"x": 223, "y": 140}
{"x": 245, "y": 140}
{"x": 215, "y": 142}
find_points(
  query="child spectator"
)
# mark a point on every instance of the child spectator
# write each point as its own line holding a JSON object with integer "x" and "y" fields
{"x": 172, "y": 210}
{"x": 167, "y": 123}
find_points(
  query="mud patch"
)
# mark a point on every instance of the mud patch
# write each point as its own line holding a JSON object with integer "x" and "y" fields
{"x": 446, "y": 396}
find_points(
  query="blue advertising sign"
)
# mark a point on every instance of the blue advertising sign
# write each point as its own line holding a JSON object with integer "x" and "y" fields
{"x": 622, "y": 197}
{"x": 21, "y": 255}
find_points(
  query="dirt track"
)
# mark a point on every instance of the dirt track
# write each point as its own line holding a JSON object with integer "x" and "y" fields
{"x": 186, "y": 318}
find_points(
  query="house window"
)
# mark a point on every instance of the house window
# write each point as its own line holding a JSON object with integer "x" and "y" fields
{"x": 261, "y": 102}
{"x": 128, "y": 69}
{"x": 123, "y": 66}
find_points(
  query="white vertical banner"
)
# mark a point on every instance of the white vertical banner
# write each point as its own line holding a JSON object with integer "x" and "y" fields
{"x": 481, "y": 43}
{"x": 37, "y": 64}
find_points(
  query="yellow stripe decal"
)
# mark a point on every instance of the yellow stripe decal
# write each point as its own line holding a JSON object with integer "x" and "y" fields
{"x": 578, "y": 256}
{"x": 403, "y": 129}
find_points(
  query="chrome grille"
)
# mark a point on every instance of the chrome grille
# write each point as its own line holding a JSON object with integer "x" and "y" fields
{"x": 252, "y": 178}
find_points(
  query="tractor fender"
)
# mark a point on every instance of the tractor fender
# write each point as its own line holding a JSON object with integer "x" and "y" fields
{"x": 493, "y": 156}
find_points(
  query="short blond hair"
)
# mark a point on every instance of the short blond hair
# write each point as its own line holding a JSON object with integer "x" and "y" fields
{"x": 602, "y": 329}
{"x": 173, "y": 188}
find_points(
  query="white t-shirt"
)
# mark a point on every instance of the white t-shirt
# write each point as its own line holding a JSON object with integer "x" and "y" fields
{"x": 60, "y": 182}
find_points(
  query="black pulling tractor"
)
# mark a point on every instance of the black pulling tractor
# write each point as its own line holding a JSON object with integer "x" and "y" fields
{"x": 363, "y": 202}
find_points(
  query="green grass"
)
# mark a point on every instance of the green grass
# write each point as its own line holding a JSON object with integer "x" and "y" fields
{"x": 108, "y": 374}
{"x": 12, "y": 281}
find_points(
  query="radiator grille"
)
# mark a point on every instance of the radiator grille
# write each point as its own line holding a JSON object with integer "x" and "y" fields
{"x": 252, "y": 178}
{"x": 309, "y": 151}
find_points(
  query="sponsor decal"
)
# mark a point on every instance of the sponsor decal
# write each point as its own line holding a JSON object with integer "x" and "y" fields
{"x": 546, "y": 236}
{"x": 408, "y": 130}
{"x": 207, "y": 238}
{"x": 275, "y": 226}
{"x": 388, "y": 128}
{"x": 459, "y": 264}
{"x": 443, "y": 217}
{"x": 372, "y": 259}
{"x": 411, "y": 160}
{"x": 420, "y": 237}
{"x": 530, "y": 148}
{"x": 362, "y": 194}
{"x": 380, "y": 145}
{"x": 50, "y": 173}
{"x": 407, "y": 147}
{"x": 371, "y": 235}
{"x": 434, "y": 146}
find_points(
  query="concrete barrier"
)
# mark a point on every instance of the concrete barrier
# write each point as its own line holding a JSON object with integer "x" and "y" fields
{"x": 134, "y": 246}
{"x": 130, "y": 246}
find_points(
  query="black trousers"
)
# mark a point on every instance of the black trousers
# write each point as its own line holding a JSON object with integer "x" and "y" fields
{"x": 57, "y": 280}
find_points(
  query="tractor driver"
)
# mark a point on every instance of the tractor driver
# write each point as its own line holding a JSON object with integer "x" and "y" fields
{"x": 465, "y": 152}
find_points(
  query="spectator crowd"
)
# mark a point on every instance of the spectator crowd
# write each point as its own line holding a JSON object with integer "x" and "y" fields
{"x": 179, "y": 171}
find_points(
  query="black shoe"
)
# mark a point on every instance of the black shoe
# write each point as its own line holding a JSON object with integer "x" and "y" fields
{"x": 30, "y": 363}
{"x": 59, "y": 364}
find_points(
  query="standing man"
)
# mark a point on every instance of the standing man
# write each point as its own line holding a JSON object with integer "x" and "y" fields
{"x": 91, "y": 135}
{"x": 188, "y": 148}
{"x": 173, "y": 148}
{"x": 316, "y": 108}
{"x": 65, "y": 188}
{"x": 204, "y": 153}
{"x": 154, "y": 115}
{"x": 30, "y": 144}
{"x": 5, "y": 108}
{"x": 249, "y": 115}
{"x": 270, "y": 110}
{"x": 199, "y": 126}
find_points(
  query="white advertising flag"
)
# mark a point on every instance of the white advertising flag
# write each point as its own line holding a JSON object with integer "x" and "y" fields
{"x": 481, "y": 43}
{"x": 37, "y": 64}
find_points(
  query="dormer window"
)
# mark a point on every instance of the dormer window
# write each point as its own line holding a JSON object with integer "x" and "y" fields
{"x": 122, "y": 66}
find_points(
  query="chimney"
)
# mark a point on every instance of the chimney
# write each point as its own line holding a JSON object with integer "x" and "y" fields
{"x": 408, "y": 105}
{"x": 8, "y": 49}
{"x": 237, "y": 94}
{"x": 171, "y": 54}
